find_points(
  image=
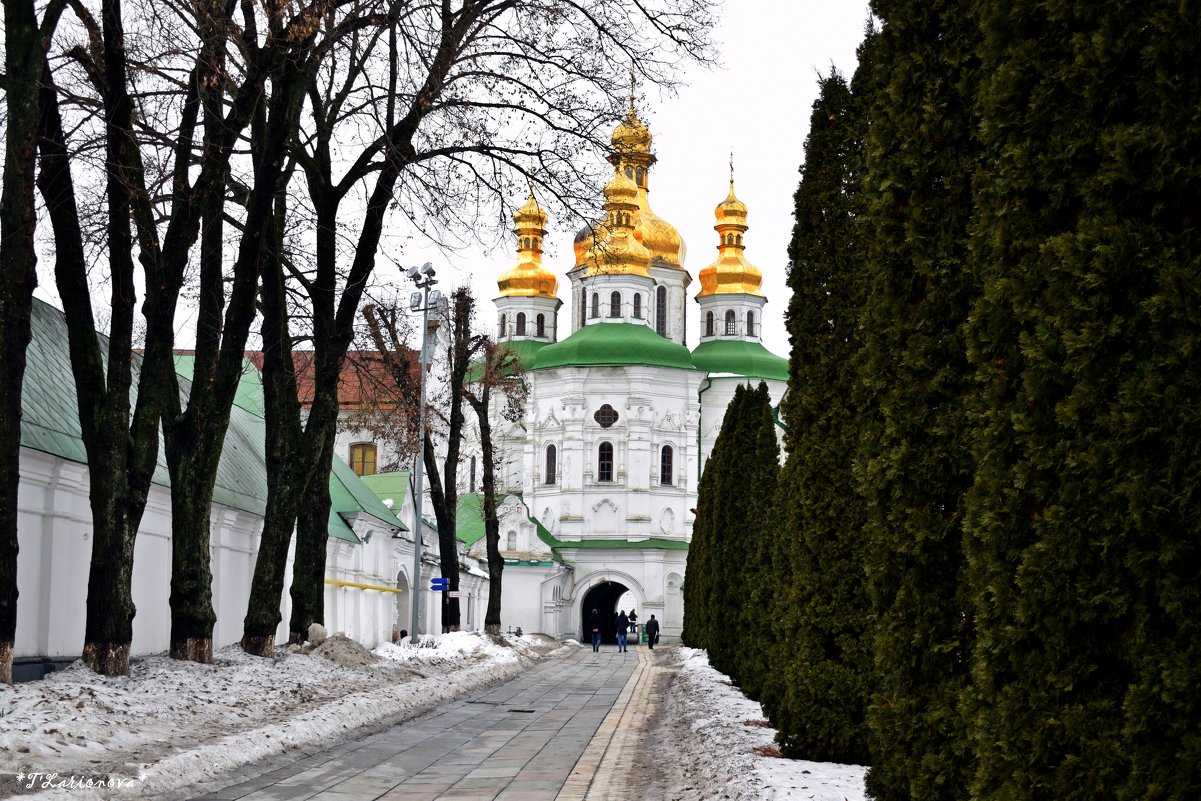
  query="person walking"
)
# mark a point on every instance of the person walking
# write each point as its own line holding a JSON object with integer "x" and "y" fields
{"x": 594, "y": 625}
{"x": 634, "y": 624}
{"x": 652, "y": 631}
{"x": 623, "y": 628}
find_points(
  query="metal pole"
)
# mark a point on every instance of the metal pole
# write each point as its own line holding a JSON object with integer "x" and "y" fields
{"x": 418, "y": 468}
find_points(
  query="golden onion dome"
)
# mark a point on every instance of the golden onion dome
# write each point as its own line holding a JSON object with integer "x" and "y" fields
{"x": 631, "y": 135}
{"x": 620, "y": 252}
{"x": 731, "y": 274}
{"x": 621, "y": 190}
{"x": 529, "y": 277}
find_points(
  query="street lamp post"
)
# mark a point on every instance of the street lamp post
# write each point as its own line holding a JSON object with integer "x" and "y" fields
{"x": 421, "y": 301}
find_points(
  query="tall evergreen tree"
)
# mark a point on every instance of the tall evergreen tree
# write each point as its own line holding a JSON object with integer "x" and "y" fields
{"x": 914, "y": 462}
{"x": 1084, "y": 538}
{"x": 755, "y": 545}
{"x": 822, "y": 665}
{"x": 702, "y": 569}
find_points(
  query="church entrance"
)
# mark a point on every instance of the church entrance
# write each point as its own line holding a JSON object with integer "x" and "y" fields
{"x": 603, "y": 598}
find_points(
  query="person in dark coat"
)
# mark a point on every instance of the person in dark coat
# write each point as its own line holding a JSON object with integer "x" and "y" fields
{"x": 652, "y": 631}
{"x": 594, "y": 626}
{"x": 634, "y": 624}
{"x": 623, "y": 628}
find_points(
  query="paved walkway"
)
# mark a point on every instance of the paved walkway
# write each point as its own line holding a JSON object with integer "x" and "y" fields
{"x": 566, "y": 730}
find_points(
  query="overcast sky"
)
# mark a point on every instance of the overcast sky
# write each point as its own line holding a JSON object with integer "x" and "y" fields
{"x": 758, "y": 103}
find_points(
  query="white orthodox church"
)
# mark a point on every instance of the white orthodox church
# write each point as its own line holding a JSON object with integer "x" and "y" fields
{"x": 600, "y": 478}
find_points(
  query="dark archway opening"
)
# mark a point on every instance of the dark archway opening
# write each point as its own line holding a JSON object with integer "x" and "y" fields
{"x": 603, "y": 598}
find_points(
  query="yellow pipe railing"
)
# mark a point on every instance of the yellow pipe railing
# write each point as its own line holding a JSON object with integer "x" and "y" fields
{"x": 337, "y": 583}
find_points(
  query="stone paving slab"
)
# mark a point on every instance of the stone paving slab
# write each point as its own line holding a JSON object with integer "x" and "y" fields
{"x": 540, "y": 736}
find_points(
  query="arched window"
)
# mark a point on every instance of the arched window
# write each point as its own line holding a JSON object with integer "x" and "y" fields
{"x": 503, "y": 326}
{"x": 729, "y": 322}
{"x": 665, "y": 471}
{"x": 472, "y": 483}
{"x": 541, "y": 325}
{"x": 615, "y": 304}
{"x": 595, "y": 305}
{"x": 750, "y": 323}
{"x": 552, "y": 463}
{"x": 637, "y": 306}
{"x": 604, "y": 462}
{"x": 709, "y": 324}
{"x": 520, "y": 324}
{"x": 362, "y": 458}
{"x": 729, "y": 239}
{"x": 661, "y": 311}
{"x": 582, "y": 305}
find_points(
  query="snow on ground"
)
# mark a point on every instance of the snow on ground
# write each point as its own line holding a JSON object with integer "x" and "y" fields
{"x": 728, "y": 744}
{"x": 171, "y": 724}
{"x": 175, "y": 724}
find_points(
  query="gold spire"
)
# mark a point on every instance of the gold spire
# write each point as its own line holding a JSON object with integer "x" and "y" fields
{"x": 620, "y": 252}
{"x": 731, "y": 274}
{"x": 632, "y": 156}
{"x": 529, "y": 278}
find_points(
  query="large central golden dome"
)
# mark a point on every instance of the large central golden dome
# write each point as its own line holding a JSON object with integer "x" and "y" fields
{"x": 632, "y": 156}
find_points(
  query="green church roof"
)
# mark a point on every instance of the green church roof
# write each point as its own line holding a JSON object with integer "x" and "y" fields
{"x": 740, "y": 358}
{"x": 610, "y": 344}
{"x": 50, "y": 423}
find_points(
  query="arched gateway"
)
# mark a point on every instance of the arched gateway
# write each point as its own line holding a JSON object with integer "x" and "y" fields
{"x": 603, "y": 598}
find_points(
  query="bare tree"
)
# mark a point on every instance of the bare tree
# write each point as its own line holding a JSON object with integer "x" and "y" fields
{"x": 500, "y": 371}
{"x": 24, "y": 62}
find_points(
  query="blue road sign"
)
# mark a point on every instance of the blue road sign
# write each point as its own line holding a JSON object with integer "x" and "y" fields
{"x": 440, "y": 584}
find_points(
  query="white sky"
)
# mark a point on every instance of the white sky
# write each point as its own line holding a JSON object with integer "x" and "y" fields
{"x": 757, "y": 103}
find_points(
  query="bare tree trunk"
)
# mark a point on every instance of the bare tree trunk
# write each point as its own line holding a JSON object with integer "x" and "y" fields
{"x": 481, "y": 403}
{"x": 24, "y": 61}
{"x": 312, "y": 533}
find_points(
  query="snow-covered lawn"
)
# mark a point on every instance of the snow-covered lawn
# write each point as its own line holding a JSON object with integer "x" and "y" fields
{"x": 174, "y": 724}
{"x": 729, "y": 745}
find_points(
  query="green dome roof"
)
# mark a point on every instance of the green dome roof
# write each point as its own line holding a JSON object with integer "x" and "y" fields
{"x": 614, "y": 344}
{"x": 740, "y": 358}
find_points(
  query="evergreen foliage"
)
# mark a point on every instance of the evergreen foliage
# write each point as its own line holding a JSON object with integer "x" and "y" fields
{"x": 821, "y": 667}
{"x": 752, "y": 626}
{"x": 914, "y": 462}
{"x": 1083, "y": 531}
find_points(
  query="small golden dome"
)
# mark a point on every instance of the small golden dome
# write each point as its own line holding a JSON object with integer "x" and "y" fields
{"x": 529, "y": 277}
{"x": 530, "y": 215}
{"x": 631, "y": 135}
{"x": 731, "y": 274}
{"x": 621, "y": 190}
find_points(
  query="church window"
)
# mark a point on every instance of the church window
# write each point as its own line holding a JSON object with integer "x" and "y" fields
{"x": 512, "y": 541}
{"x": 709, "y": 324}
{"x": 552, "y": 463}
{"x": 595, "y": 305}
{"x": 362, "y": 458}
{"x": 604, "y": 462}
{"x": 730, "y": 322}
{"x": 641, "y": 173}
{"x": 606, "y": 416}
{"x": 472, "y": 477}
{"x": 520, "y": 324}
{"x": 665, "y": 471}
{"x": 738, "y": 240}
{"x": 637, "y": 306}
{"x": 750, "y": 323}
{"x": 541, "y": 325}
{"x": 661, "y": 311}
{"x": 582, "y": 306}
{"x": 615, "y": 304}
{"x": 729, "y": 239}
{"x": 504, "y": 329}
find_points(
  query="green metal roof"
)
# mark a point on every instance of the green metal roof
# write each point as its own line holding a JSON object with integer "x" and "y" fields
{"x": 603, "y": 344}
{"x": 469, "y": 517}
{"x": 524, "y": 349}
{"x": 392, "y": 486}
{"x": 50, "y": 423}
{"x": 740, "y": 358}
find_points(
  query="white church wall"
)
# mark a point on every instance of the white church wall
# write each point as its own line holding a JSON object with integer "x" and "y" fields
{"x": 717, "y": 392}
{"x": 55, "y": 538}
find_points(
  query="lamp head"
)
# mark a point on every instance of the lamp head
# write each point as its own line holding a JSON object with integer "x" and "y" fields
{"x": 412, "y": 273}
{"x": 428, "y": 269}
